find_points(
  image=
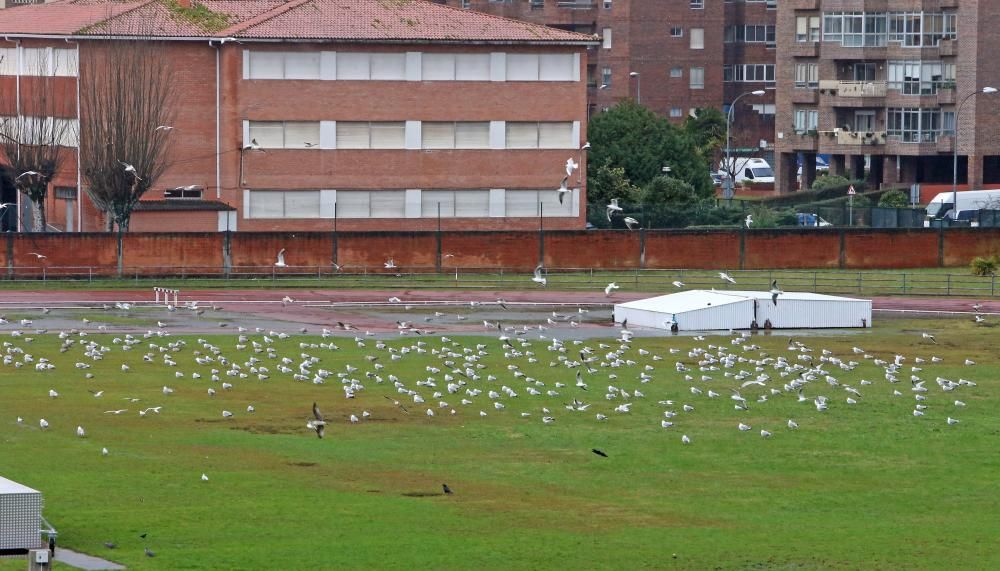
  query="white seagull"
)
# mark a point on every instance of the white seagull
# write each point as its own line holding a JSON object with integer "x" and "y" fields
{"x": 611, "y": 287}
{"x": 80, "y": 432}
{"x": 726, "y": 277}
{"x": 563, "y": 189}
{"x": 775, "y": 292}
{"x": 631, "y": 223}
{"x": 749, "y": 220}
{"x": 537, "y": 277}
{"x": 571, "y": 166}
{"x": 390, "y": 264}
{"x": 29, "y": 173}
{"x": 130, "y": 169}
{"x": 678, "y": 284}
{"x": 281, "y": 259}
{"x": 613, "y": 207}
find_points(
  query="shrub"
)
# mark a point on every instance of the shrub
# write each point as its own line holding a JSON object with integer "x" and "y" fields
{"x": 984, "y": 266}
{"x": 830, "y": 181}
{"x": 894, "y": 199}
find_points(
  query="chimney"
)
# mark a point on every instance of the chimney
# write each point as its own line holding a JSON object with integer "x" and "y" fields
{"x": 186, "y": 4}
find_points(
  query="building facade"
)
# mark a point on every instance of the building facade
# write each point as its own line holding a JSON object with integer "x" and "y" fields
{"x": 319, "y": 115}
{"x": 672, "y": 56}
{"x": 879, "y": 86}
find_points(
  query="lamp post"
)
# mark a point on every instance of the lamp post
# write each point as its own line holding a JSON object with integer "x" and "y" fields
{"x": 728, "y": 182}
{"x": 638, "y": 86}
{"x": 954, "y": 174}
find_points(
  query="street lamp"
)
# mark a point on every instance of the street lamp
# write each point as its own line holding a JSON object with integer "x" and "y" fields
{"x": 638, "y": 86}
{"x": 954, "y": 175}
{"x": 728, "y": 183}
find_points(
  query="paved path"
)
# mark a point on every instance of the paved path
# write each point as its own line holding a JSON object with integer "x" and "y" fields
{"x": 83, "y": 561}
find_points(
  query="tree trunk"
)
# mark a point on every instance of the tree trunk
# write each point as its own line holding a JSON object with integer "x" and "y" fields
{"x": 38, "y": 222}
{"x": 121, "y": 261}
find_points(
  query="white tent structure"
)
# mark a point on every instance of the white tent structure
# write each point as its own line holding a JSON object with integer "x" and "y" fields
{"x": 20, "y": 516}
{"x": 702, "y": 310}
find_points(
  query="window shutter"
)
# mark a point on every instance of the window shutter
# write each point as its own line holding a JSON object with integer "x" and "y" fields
{"x": 352, "y": 65}
{"x": 388, "y": 66}
{"x": 388, "y": 203}
{"x": 697, "y": 36}
{"x": 266, "y": 65}
{"x": 472, "y": 135}
{"x": 353, "y": 204}
{"x": 34, "y": 61}
{"x": 429, "y": 200}
{"x": 555, "y": 67}
{"x": 266, "y": 204}
{"x": 268, "y": 134}
{"x": 302, "y": 65}
{"x": 298, "y": 133}
{"x": 522, "y": 67}
{"x": 301, "y": 203}
{"x": 352, "y": 135}
{"x": 802, "y": 26}
{"x": 437, "y": 135}
{"x": 472, "y": 203}
{"x": 438, "y": 67}
{"x": 521, "y": 203}
{"x": 555, "y": 136}
{"x": 472, "y": 67}
{"x": 388, "y": 135}
{"x": 522, "y": 135}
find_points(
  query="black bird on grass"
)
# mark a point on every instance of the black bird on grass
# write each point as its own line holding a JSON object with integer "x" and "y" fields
{"x": 599, "y": 452}
{"x": 143, "y": 536}
{"x": 446, "y": 489}
{"x": 110, "y": 545}
{"x": 149, "y": 553}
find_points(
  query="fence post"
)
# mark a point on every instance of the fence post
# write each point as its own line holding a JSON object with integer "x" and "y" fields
{"x": 993, "y": 282}
{"x": 227, "y": 253}
{"x": 815, "y": 286}
{"x": 948, "y": 292}
{"x": 941, "y": 245}
{"x": 742, "y": 247}
{"x": 642, "y": 248}
{"x": 842, "y": 257}
{"x": 10, "y": 254}
{"x": 859, "y": 283}
{"x": 904, "y": 283}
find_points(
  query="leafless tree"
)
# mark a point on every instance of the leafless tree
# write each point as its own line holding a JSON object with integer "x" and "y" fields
{"x": 127, "y": 100}
{"x": 36, "y": 130}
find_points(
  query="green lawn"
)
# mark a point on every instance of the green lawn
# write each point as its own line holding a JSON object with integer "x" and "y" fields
{"x": 864, "y": 486}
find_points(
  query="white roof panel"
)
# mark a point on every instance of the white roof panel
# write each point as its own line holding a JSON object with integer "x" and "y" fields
{"x": 790, "y": 295}
{"x": 680, "y": 302}
{"x": 12, "y": 487}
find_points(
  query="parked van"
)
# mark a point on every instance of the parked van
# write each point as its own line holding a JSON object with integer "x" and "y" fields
{"x": 749, "y": 170}
{"x": 942, "y": 205}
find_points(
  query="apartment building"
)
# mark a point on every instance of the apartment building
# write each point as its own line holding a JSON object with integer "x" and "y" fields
{"x": 672, "y": 56}
{"x": 323, "y": 115}
{"x": 883, "y": 84}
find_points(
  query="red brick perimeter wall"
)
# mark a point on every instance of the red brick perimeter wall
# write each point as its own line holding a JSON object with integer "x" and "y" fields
{"x": 211, "y": 253}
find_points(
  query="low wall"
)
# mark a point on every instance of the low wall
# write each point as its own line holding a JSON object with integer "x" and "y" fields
{"x": 213, "y": 253}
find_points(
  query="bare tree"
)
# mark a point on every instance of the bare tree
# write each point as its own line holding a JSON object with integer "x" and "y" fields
{"x": 127, "y": 100}
{"x": 35, "y": 131}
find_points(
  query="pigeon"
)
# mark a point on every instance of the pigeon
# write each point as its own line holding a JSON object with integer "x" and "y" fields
{"x": 149, "y": 553}
{"x": 110, "y": 545}
{"x": 599, "y": 452}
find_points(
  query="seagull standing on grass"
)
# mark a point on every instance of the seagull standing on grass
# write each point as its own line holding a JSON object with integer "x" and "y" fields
{"x": 281, "y": 259}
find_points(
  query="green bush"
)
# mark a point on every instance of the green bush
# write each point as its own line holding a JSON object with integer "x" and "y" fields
{"x": 984, "y": 266}
{"x": 830, "y": 181}
{"x": 894, "y": 199}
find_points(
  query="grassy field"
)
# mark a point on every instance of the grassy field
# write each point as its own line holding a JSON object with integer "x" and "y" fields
{"x": 862, "y": 486}
{"x": 914, "y": 281}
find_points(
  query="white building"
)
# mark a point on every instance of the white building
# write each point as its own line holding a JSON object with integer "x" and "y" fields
{"x": 697, "y": 310}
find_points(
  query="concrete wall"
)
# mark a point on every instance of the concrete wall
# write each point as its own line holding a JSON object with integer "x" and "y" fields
{"x": 212, "y": 253}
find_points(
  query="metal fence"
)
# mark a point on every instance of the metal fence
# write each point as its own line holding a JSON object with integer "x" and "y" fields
{"x": 571, "y": 279}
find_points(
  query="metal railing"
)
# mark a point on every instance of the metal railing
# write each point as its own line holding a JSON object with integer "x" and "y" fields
{"x": 569, "y": 279}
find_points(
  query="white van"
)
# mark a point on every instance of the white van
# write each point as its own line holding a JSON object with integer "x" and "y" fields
{"x": 942, "y": 205}
{"x": 749, "y": 170}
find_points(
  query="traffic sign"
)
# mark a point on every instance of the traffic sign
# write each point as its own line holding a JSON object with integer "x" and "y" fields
{"x": 850, "y": 190}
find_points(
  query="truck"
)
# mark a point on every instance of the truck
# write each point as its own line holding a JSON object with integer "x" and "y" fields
{"x": 943, "y": 206}
{"x": 748, "y": 169}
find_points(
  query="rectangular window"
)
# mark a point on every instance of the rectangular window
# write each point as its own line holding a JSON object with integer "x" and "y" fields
{"x": 697, "y": 4}
{"x": 438, "y": 67}
{"x": 807, "y": 75}
{"x": 805, "y": 120}
{"x": 65, "y": 63}
{"x": 437, "y": 135}
{"x": 696, "y": 78}
{"x": 676, "y": 112}
{"x": 284, "y": 204}
{"x": 34, "y": 61}
{"x": 540, "y": 135}
{"x": 304, "y": 65}
{"x": 555, "y": 67}
{"x": 606, "y": 38}
{"x": 370, "y": 135}
{"x": 388, "y": 135}
{"x": 388, "y": 66}
{"x": 455, "y": 203}
{"x": 472, "y": 135}
{"x": 697, "y": 38}
{"x": 676, "y": 72}
{"x": 285, "y": 134}
{"x": 606, "y": 77}
{"x": 8, "y": 61}
{"x": 472, "y": 67}
{"x": 353, "y": 65}
{"x": 387, "y": 203}
{"x": 676, "y": 32}
{"x": 522, "y": 67}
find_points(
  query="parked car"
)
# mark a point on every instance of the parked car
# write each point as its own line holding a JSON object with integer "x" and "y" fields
{"x": 811, "y": 220}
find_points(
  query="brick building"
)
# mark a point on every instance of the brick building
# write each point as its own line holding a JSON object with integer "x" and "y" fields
{"x": 322, "y": 114}
{"x": 670, "y": 55}
{"x": 880, "y": 83}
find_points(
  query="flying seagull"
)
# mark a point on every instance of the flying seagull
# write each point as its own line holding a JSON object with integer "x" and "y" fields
{"x": 37, "y": 255}
{"x": 281, "y": 259}
{"x": 318, "y": 423}
{"x": 390, "y": 264}
{"x": 571, "y": 166}
{"x": 631, "y": 223}
{"x": 165, "y": 128}
{"x": 611, "y": 287}
{"x": 613, "y": 207}
{"x": 726, "y": 277}
{"x": 678, "y": 284}
{"x": 930, "y": 337}
{"x": 749, "y": 220}
{"x": 775, "y": 292}
{"x": 130, "y": 169}
{"x": 563, "y": 189}
{"x": 29, "y": 173}
{"x": 537, "y": 278}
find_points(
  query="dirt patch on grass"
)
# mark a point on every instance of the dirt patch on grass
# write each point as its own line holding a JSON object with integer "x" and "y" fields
{"x": 303, "y": 464}
{"x": 421, "y": 494}
{"x": 263, "y": 429}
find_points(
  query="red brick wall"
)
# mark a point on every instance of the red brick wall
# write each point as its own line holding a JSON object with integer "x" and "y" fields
{"x": 693, "y": 250}
{"x": 799, "y": 249}
{"x": 176, "y": 221}
{"x": 194, "y": 253}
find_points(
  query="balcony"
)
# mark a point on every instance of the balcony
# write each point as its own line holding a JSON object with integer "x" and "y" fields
{"x": 803, "y": 49}
{"x": 803, "y": 4}
{"x": 860, "y": 88}
{"x": 804, "y": 96}
{"x": 853, "y": 93}
{"x": 860, "y": 137}
{"x": 800, "y": 141}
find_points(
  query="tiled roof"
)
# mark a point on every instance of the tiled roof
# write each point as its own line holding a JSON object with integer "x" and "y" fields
{"x": 335, "y": 20}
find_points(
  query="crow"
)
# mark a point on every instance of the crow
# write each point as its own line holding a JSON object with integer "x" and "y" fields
{"x": 446, "y": 489}
{"x": 599, "y": 452}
